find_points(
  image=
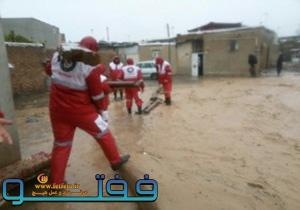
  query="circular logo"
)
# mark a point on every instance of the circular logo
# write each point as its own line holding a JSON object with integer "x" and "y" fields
{"x": 130, "y": 70}
{"x": 67, "y": 66}
{"x": 42, "y": 178}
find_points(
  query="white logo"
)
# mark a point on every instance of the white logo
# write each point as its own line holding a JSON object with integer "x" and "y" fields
{"x": 130, "y": 70}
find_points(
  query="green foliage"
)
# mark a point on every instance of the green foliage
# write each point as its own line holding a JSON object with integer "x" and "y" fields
{"x": 12, "y": 37}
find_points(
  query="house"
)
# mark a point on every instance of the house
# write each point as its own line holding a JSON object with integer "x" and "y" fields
{"x": 34, "y": 30}
{"x": 215, "y": 26}
{"x": 223, "y": 49}
{"x": 290, "y": 47}
{"x": 128, "y": 50}
{"x": 165, "y": 48}
{"x": 148, "y": 50}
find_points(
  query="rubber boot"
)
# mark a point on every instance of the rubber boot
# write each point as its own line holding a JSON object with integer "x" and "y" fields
{"x": 115, "y": 95}
{"x": 139, "y": 112}
{"x": 121, "y": 95}
{"x": 168, "y": 101}
{"x": 124, "y": 159}
{"x": 129, "y": 110}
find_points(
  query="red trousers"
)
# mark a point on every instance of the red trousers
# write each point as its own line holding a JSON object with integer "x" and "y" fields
{"x": 64, "y": 126}
{"x": 133, "y": 93}
{"x": 167, "y": 86}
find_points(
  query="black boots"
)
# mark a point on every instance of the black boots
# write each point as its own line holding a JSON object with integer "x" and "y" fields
{"x": 121, "y": 95}
{"x": 122, "y": 161}
{"x": 116, "y": 95}
{"x": 168, "y": 101}
{"x": 139, "y": 110}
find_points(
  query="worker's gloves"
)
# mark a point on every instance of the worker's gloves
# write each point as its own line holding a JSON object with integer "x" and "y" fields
{"x": 104, "y": 115}
{"x": 140, "y": 94}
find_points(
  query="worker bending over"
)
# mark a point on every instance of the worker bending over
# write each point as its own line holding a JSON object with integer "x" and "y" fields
{"x": 76, "y": 99}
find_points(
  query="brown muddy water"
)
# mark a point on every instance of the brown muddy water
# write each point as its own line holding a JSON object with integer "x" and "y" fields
{"x": 225, "y": 143}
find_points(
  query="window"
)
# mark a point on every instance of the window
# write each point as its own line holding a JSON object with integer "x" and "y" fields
{"x": 140, "y": 65}
{"x": 233, "y": 45}
{"x": 155, "y": 53}
{"x": 148, "y": 65}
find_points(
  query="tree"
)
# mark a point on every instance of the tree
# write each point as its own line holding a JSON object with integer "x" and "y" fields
{"x": 12, "y": 37}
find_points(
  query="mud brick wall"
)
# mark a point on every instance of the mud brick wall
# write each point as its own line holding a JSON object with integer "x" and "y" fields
{"x": 28, "y": 75}
{"x": 106, "y": 57}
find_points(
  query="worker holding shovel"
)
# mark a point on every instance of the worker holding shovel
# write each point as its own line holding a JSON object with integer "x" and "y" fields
{"x": 164, "y": 71}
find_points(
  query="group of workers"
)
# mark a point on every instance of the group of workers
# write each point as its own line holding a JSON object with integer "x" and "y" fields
{"x": 79, "y": 98}
{"x": 131, "y": 72}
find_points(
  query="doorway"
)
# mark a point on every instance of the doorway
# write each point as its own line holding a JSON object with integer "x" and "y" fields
{"x": 197, "y": 64}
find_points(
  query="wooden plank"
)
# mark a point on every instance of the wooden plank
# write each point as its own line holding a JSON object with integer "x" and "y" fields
{"x": 152, "y": 105}
{"x": 123, "y": 84}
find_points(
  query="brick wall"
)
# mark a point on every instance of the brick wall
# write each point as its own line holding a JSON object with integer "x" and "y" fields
{"x": 27, "y": 76}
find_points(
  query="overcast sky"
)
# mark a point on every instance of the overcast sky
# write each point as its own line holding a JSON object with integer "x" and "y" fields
{"x": 135, "y": 20}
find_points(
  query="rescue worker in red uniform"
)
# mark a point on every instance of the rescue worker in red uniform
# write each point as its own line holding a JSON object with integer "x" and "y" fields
{"x": 164, "y": 71}
{"x": 115, "y": 71}
{"x": 4, "y": 135}
{"x": 133, "y": 73}
{"x": 75, "y": 101}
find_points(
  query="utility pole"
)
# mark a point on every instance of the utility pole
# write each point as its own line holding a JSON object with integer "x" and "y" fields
{"x": 107, "y": 34}
{"x": 169, "y": 44}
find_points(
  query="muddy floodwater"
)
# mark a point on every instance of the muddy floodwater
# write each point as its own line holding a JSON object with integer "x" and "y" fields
{"x": 224, "y": 144}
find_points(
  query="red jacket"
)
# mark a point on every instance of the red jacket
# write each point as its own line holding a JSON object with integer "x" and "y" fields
{"x": 75, "y": 90}
{"x": 132, "y": 73}
{"x": 115, "y": 71}
{"x": 164, "y": 72}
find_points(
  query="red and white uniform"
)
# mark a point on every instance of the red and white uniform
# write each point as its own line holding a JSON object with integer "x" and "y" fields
{"x": 105, "y": 100}
{"x": 164, "y": 71}
{"x": 75, "y": 99}
{"x": 115, "y": 71}
{"x": 132, "y": 73}
{"x": 1, "y": 114}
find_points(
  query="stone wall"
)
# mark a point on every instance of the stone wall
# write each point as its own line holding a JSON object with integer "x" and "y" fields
{"x": 27, "y": 76}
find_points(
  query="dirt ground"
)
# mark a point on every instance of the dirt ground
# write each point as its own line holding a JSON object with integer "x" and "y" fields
{"x": 224, "y": 144}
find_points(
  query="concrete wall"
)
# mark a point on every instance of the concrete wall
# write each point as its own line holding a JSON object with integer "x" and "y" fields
{"x": 33, "y": 29}
{"x": 129, "y": 52}
{"x": 146, "y": 52}
{"x": 9, "y": 153}
{"x": 184, "y": 58}
{"x": 28, "y": 74}
{"x": 219, "y": 60}
{"x": 268, "y": 48}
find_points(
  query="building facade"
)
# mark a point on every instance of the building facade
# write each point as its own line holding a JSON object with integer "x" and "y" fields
{"x": 225, "y": 51}
{"x": 35, "y": 30}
